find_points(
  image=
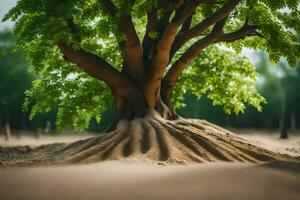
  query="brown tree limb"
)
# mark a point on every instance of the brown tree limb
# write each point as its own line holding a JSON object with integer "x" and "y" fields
{"x": 242, "y": 33}
{"x": 98, "y": 68}
{"x": 132, "y": 49}
{"x": 152, "y": 25}
{"x": 159, "y": 25}
{"x": 203, "y": 25}
{"x": 165, "y": 43}
{"x": 161, "y": 58}
{"x": 163, "y": 21}
{"x": 187, "y": 24}
{"x": 162, "y": 24}
{"x": 93, "y": 69}
{"x": 175, "y": 71}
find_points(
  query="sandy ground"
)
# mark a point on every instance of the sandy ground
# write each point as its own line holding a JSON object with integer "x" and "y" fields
{"x": 263, "y": 137}
{"x": 28, "y": 138}
{"x": 141, "y": 181}
{"x": 270, "y": 139}
{"x": 138, "y": 181}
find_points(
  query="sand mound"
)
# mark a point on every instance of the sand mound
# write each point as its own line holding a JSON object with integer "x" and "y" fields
{"x": 151, "y": 139}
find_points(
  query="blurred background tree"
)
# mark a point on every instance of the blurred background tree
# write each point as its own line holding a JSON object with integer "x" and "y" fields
{"x": 14, "y": 80}
{"x": 280, "y": 85}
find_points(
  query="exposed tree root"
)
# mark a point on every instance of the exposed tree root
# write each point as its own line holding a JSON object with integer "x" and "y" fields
{"x": 151, "y": 139}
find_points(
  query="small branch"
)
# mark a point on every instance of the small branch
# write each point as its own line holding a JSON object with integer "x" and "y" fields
{"x": 242, "y": 33}
{"x": 202, "y": 26}
{"x": 167, "y": 6}
{"x": 73, "y": 28}
{"x": 110, "y": 7}
{"x": 186, "y": 25}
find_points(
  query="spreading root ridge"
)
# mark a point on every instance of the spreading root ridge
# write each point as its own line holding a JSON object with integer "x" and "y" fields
{"x": 151, "y": 139}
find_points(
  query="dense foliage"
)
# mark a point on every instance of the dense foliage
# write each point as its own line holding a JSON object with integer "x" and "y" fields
{"x": 225, "y": 77}
{"x": 278, "y": 83}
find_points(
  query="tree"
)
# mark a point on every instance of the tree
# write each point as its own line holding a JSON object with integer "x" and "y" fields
{"x": 144, "y": 54}
{"x": 279, "y": 84}
{"x": 14, "y": 80}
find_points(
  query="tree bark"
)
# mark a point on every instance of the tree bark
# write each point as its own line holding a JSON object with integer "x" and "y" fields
{"x": 284, "y": 115}
{"x": 7, "y": 130}
{"x": 135, "y": 106}
{"x": 283, "y": 128}
{"x": 293, "y": 122}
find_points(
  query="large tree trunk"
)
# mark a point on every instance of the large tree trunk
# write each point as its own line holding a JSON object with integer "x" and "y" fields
{"x": 136, "y": 105}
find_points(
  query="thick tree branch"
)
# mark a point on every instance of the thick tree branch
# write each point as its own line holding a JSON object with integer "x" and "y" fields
{"x": 94, "y": 65}
{"x": 98, "y": 68}
{"x": 175, "y": 71}
{"x": 131, "y": 48}
{"x": 152, "y": 26}
{"x": 161, "y": 23}
{"x": 161, "y": 58}
{"x": 164, "y": 45}
{"x": 202, "y": 26}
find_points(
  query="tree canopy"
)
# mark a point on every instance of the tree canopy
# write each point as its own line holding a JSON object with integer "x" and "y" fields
{"x": 204, "y": 37}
